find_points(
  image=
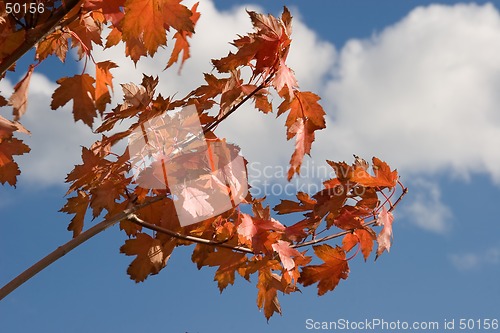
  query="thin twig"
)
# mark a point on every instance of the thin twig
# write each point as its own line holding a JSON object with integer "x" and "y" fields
{"x": 367, "y": 224}
{"x": 64, "y": 249}
{"x": 235, "y": 107}
{"x": 134, "y": 219}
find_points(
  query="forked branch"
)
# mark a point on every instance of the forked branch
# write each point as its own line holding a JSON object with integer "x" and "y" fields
{"x": 134, "y": 219}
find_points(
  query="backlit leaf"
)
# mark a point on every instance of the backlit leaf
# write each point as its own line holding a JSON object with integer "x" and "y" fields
{"x": 19, "y": 99}
{"x": 80, "y": 89}
{"x": 77, "y": 205}
{"x": 104, "y": 82}
{"x": 328, "y": 274}
{"x": 384, "y": 238}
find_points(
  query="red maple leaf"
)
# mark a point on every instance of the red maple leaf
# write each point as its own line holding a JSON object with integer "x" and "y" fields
{"x": 328, "y": 274}
{"x": 383, "y": 176}
{"x": 80, "y": 89}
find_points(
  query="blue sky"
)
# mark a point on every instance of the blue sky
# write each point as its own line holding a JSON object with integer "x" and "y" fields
{"x": 411, "y": 82}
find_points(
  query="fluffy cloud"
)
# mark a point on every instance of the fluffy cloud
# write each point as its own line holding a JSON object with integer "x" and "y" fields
{"x": 422, "y": 93}
{"x": 475, "y": 260}
{"x": 426, "y": 209}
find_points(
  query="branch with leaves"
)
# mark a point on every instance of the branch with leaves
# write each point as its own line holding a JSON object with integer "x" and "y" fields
{"x": 245, "y": 239}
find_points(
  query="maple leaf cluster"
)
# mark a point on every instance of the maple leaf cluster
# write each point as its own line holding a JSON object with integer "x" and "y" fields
{"x": 240, "y": 241}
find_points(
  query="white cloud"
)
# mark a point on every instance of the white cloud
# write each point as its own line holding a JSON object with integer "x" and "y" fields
{"x": 425, "y": 209}
{"x": 423, "y": 93}
{"x": 476, "y": 260}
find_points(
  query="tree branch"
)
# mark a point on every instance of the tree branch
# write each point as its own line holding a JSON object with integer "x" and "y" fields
{"x": 35, "y": 35}
{"x": 134, "y": 219}
{"x": 64, "y": 249}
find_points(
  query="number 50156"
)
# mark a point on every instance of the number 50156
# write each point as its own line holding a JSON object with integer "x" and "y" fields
{"x": 17, "y": 8}
{"x": 479, "y": 324}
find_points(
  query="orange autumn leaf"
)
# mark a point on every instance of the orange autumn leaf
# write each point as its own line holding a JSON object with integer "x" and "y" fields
{"x": 305, "y": 116}
{"x": 7, "y": 127}
{"x": 305, "y": 203}
{"x": 383, "y": 176}
{"x": 303, "y": 105}
{"x": 285, "y": 78}
{"x": 151, "y": 255}
{"x": 304, "y": 137}
{"x": 262, "y": 102}
{"x": 9, "y": 170}
{"x": 9, "y": 147}
{"x": 349, "y": 241}
{"x": 148, "y": 20}
{"x": 328, "y": 274}
{"x": 77, "y": 205}
{"x": 19, "y": 99}
{"x": 366, "y": 238}
{"x": 80, "y": 89}
{"x": 181, "y": 41}
{"x": 8, "y": 173}
{"x": 55, "y": 43}
{"x": 268, "y": 285}
{"x": 255, "y": 231}
{"x": 103, "y": 82}
{"x": 228, "y": 261}
{"x": 113, "y": 38}
{"x": 85, "y": 174}
{"x": 85, "y": 32}
{"x": 265, "y": 47}
{"x": 349, "y": 217}
{"x": 104, "y": 196}
{"x": 110, "y": 9}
